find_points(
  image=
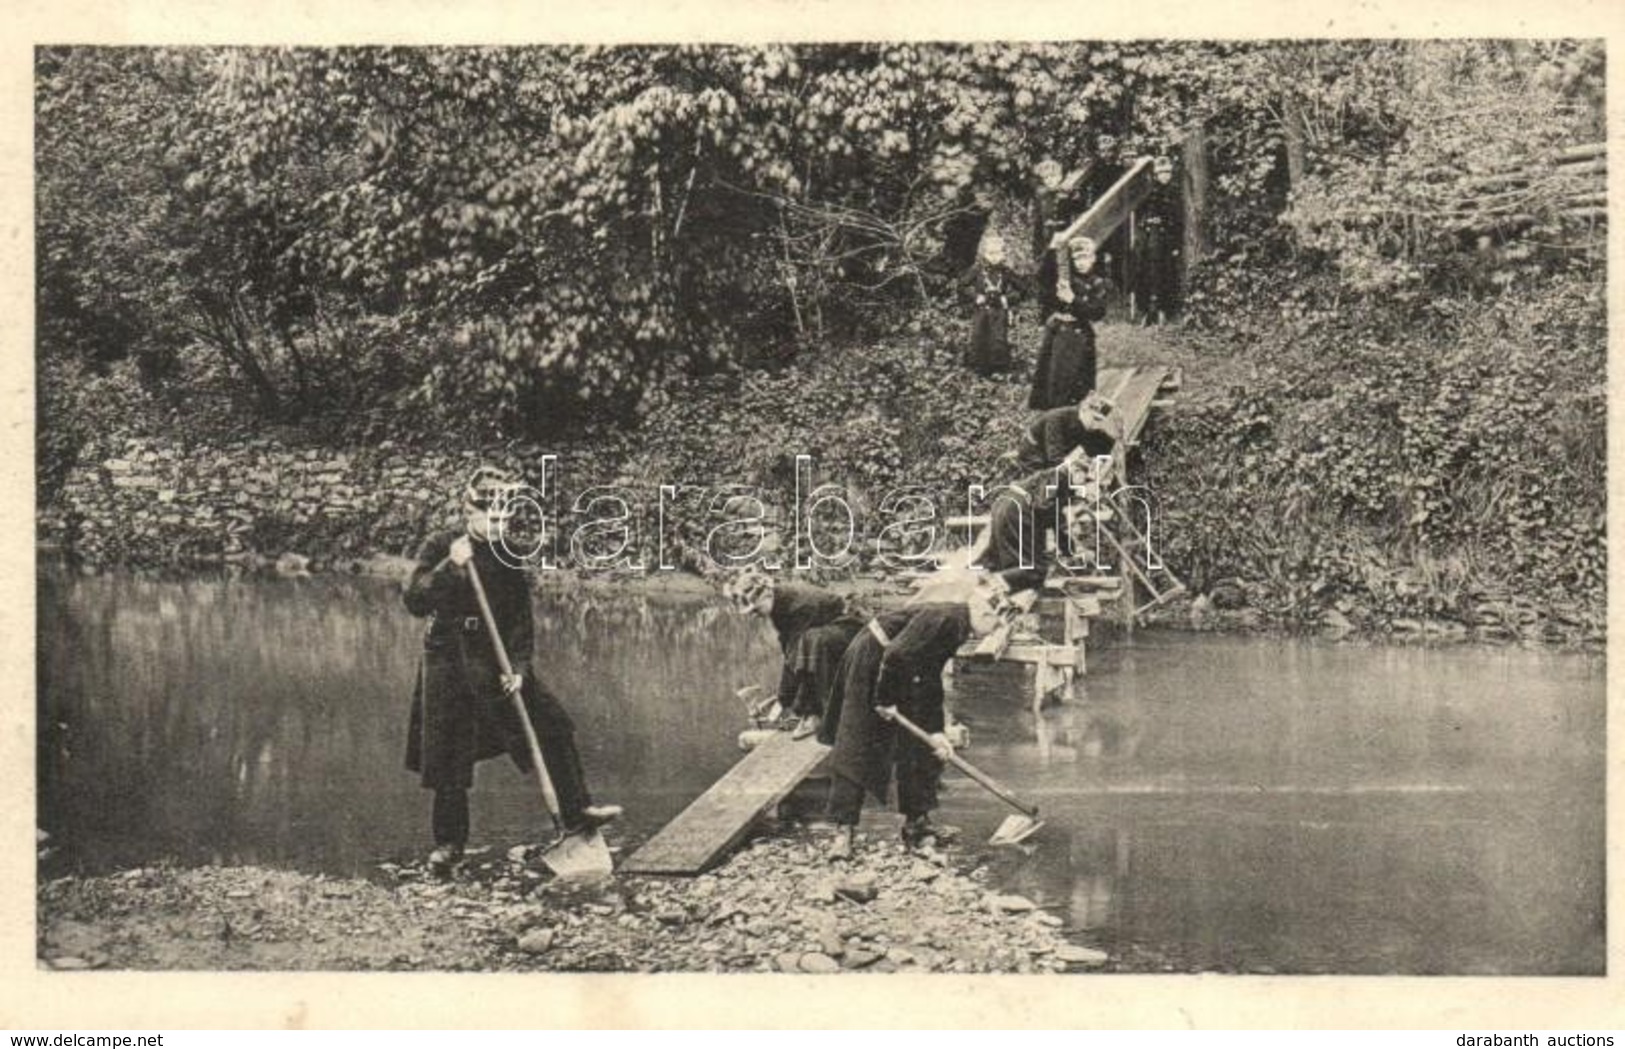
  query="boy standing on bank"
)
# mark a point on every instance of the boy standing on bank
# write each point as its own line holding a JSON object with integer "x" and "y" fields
{"x": 462, "y": 712}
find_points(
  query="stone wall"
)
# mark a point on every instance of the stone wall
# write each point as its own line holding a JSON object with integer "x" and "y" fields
{"x": 151, "y": 501}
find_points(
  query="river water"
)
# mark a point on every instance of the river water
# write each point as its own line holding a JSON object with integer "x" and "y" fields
{"x": 1211, "y": 802}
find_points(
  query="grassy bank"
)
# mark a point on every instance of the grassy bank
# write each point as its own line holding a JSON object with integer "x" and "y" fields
{"x": 1310, "y": 476}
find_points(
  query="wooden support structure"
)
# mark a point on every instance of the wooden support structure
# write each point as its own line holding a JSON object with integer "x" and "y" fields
{"x": 1113, "y": 208}
{"x": 1137, "y": 392}
{"x": 718, "y": 819}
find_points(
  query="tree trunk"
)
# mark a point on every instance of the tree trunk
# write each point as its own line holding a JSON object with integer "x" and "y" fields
{"x": 1297, "y": 160}
{"x": 301, "y": 371}
{"x": 230, "y": 335}
{"x": 1194, "y": 192}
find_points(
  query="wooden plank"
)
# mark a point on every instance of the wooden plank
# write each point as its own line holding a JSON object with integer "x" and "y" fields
{"x": 1026, "y": 652}
{"x": 718, "y": 819}
{"x": 1111, "y": 381}
{"x": 1089, "y": 584}
{"x": 1585, "y": 152}
{"x": 1114, "y": 206}
{"x": 1135, "y": 398}
{"x": 993, "y": 645}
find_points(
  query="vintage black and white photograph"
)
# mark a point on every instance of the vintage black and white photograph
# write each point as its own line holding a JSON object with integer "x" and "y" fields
{"x": 1082, "y": 506}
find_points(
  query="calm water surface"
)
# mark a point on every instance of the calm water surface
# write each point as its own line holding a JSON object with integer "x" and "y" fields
{"x": 1238, "y": 804}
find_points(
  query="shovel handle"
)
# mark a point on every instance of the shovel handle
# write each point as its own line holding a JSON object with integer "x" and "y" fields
{"x": 993, "y": 786}
{"x": 550, "y": 798}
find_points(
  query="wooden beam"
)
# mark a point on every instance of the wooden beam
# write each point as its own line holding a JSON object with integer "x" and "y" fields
{"x": 1019, "y": 652}
{"x": 718, "y": 819}
{"x": 1167, "y": 595}
{"x": 1585, "y": 152}
{"x": 1113, "y": 207}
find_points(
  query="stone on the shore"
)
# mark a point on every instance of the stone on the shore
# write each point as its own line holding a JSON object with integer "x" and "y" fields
{"x": 537, "y": 941}
{"x": 1011, "y": 904}
{"x": 858, "y": 958}
{"x": 814, "y": 962}
{"x": 859, "y": 888}
{"x": 1072, "y": 954}
{"x": 68, "y": 961}
{"x": 787, "y": 962}
{"x": 1336, "y": 624}
{"x": 821, "y": 890}
{"x": 829, "y": 936}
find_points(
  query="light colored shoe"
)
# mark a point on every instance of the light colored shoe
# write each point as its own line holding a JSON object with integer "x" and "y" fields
{"x": 595, "y": 816}
{"x": 444, "y": 859}
{"x": 809, "y": 725}
{"x": 922, "y": 833}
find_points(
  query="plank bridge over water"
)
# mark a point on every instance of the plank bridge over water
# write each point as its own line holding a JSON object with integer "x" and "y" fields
{"x": 719, "y": 819}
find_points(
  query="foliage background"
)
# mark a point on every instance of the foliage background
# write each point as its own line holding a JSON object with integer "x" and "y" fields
{"x": 683, "y": 260}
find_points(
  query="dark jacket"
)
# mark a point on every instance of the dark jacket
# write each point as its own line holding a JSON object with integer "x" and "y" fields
{"x": 1065, "y": 370}
{"x": 906, "y": 672}
{"x": 1054, "y": 434}
{"x": 459, "y": 713}
{"x": 798, "y": 608}
{"x": 990, "y": 291}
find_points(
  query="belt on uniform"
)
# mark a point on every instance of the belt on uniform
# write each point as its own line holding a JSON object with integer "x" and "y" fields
{"x": 467, "y": 624}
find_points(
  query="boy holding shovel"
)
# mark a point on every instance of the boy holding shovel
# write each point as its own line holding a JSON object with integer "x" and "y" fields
{"x": 894, "y": 667}
{"x": 462, "y": 707}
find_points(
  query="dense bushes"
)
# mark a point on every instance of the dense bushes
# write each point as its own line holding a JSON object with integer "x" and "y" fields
{"x": 1444, "y": 472}
{"x": 688, "y": 264}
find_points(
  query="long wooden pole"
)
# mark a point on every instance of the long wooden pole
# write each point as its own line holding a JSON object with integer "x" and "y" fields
{"x": 992, "y": 785}
{"x": 549, "y": 797}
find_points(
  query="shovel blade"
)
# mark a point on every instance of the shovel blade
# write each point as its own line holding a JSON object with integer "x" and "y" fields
{"x": 579, "y": 857}
{"x": 1015, "y": 830}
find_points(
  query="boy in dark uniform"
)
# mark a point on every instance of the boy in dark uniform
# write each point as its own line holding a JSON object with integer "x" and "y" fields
{"x": 1072, "y": 297}
{"x": 462, "y": 712}
{"x": 814, "y": 627}
{"x": 1019, "y": 530}
{"x": 1095, "y": 426}
{"x": 1159, "y": 232}
{"x": 896, "y": 662}
{"x": 989, "y": 286}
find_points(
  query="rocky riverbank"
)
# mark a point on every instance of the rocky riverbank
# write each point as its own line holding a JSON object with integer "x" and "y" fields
{"x": 776, "y": 906}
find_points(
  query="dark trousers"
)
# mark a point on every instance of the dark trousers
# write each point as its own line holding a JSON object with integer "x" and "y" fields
{"x": 556, "y": 734}
{"x": 918, "y": 773}
{"x": 451, "y": 816}
{"x": 563, "y": 760}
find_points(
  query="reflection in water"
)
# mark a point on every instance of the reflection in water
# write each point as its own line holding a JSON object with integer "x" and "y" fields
{"x": 264, "y": 721}
{"x": 1270, "y": 805}
{"x": 1217, "y": 803}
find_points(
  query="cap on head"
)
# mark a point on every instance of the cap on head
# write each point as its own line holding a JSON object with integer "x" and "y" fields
{"x": 1099, "y": 412}
{"x": 488, "y": 487}
{"x": 989, "y": 604}
{"x": 746, "y": 588}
